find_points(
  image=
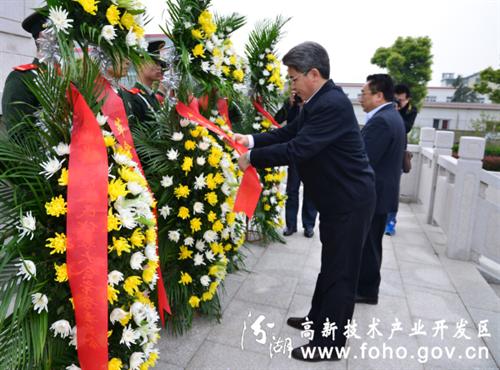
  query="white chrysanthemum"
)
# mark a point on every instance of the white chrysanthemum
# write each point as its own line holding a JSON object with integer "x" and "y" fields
{"x": 198, "y": 259}
{"x": 131, "y": 38}
{"x": 270, "y": 87}
{"x": 40, "y": 302}
{"x": 200, "y": 161}
{"x": 62, "y": 328}
{"x": 136, "y": 260}
{"x": 61, "y": 149}
{"x": 172, "y": 154}
{"x": 225, "y": 234}
{"x": 27, "y": 269}
{"x": 198, "y": 207}
{"x": 59, "y": 18}
{"x": 257, "y": 126}
{"x": 51, "y": 166}
{"x": 199, "y": 182}
{"x": 101, "y": 120}
{"x": 225, "y": 208}
{"x": 209, "y": 45}
{"x": 167, "y": 181}
{"x": 73, "y": 342}
{"x": 135, "y": 188}
{"x": 143, "y": 44}
{"x": 273, "y": 200}
{"x": 108, "y": 33}
{"x": 265, "y": 193}
{"x": 27, "y": 226}
{"x": 262, "y": 81}
{"x": 210, "y": 236}
{"x": 204, "y": 145}
{"x": 205, "y": 280}
{"x": 210, "y": 255}
{"x": 262, "y": 56}
{"x": 151, "y": 314}
{"x": 116, "y": 315}
{"x": 184, "y": 122}
{"x": 177, "y": 136}
{"x": 150, "y": 252}
{"x": 188, "y": 25}
{"x": 72, "y": 367}
{"x": 189, "y": 241}
{"x": 136, "y": 360}
{"x": 226, "y": 189}
{"x": 225, "y": 162}
{"x": 138, "y": 312}
{"x": 115, "y": 277}
{"x": 174, "y": 235}
{"x": 165, "y": 211}
{"x": 200, "y": 245}
{"x": 129, "y": 336}
{"x": 205, "y": 66}
{"x": 127, "y": 218}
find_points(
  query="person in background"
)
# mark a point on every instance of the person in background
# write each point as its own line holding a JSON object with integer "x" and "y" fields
{"x": 287, "y": 114}
{"x": 408, "y": 112}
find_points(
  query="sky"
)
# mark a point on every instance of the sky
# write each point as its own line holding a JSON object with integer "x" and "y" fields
{"x": 465, "y": 33}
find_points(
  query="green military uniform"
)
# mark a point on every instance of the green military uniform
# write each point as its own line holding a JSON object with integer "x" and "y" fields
{"x": 143, "y": 102}
{"x": 18, "y": 101}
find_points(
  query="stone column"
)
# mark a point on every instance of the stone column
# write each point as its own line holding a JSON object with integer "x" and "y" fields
{"x": 465, "y": 197}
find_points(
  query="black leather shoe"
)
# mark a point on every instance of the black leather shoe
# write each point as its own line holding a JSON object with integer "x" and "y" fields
{"x": 366, "y": 300}
{"x": 308, "y": 233}
{"x": 288, "y": 232}
{"x": 296, "y": 322}
{"x": 311, "y": 353}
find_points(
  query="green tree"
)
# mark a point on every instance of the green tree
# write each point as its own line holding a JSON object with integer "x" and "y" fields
{"x": 487, "y": 124}
{"x": 463, "y": 93}
{"x": 408, "y": 61}
{"x": 489, "y": 84}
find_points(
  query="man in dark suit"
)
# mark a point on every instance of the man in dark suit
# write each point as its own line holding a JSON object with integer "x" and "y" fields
{"x": 384, "y": 137}
{"x": 325, "y": 145}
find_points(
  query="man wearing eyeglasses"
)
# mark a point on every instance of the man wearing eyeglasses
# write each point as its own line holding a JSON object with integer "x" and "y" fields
{"x": 325, "y": 145}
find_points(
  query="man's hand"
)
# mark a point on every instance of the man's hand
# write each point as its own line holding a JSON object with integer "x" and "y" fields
{"x": 243, "y": 162}
{"x": 241, "y": 139}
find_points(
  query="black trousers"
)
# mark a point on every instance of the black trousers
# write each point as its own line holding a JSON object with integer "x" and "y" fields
{"x": 369, "y": 275}
{"x": 342, "y": 237}
{"x": 292, "y": 203}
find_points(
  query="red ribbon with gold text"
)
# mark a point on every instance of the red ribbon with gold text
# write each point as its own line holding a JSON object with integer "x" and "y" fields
{"x": 223, "y": 108}
{"x": 87, "y": 234}
{"x": 114, "y": 109}
{"x": 250, "y": 188}
{"x": 265, "y": 113}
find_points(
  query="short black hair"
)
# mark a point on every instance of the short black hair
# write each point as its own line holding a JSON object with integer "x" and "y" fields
{"x": 307, "y": 56}
{"x": 402, "y": 89}
{"x": 381, "y": 82}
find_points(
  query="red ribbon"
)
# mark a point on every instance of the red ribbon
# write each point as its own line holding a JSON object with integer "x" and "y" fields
{"x": 118, "y": 122}
{"x": 250, "y": 188}
{"x": 265, "y": 113}
{"x": 87, "y": 234}
{"x": 223, "y": 108}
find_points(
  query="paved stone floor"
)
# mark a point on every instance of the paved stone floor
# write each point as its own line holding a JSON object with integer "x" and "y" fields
{"x": 419, "y": 285}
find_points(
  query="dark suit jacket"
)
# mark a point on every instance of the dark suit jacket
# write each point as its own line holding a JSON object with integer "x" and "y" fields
{"x": 325, "y": 144}
{"x": 385, "y": 138}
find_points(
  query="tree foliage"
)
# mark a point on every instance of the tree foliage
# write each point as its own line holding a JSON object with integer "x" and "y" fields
{"x": 489, "y": 84}
{"x": 408, "y": 61}
{"x": 463, "y": 93}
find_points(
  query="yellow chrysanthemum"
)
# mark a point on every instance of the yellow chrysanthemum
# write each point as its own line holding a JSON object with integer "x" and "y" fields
{"x": 212, "y": 216}
{"x": 213, "y": 270}
{"x": 56, "y": 207}
{"x": 112, "y": 294}
{"x": 230, "y": 218}
{"x": 195, "y": 224}
{"x": 143, "y": 298}
{"x": 128, "y": 174}
{"x": 207, "y": 296}
{"x": 185, "y": 278}
{"x": 217, "y": 248}
{"x": 217, "y": 226}
{"x": 131, "y": 284}
{"x": 138, "y": 30}
{"x": 226, "y": 70}
{"x": 211, "y": 198}
{"x": 197, "y": 33}
{"x": 228, "y": 247}
{"x": 196, "y": 132}
{"x": 187, "y": 164}
{"x": 181, "y": 191}
{"x": 199, "y": 51}
{"x": 190, "y": 145}
{"x": 238, "y": 75}
{"x": 211, "y": 183}
{"x": 63, "y": 179}
{"x": 120, "y": 245}
{"x": 265, "y": 123}
{"x": 90, "y": 6}
{"x": 113, "y": 15}
{"x": 216, "y": 52}
{"x": 271, "y": 57}
{"x": 183, "y": 213}
{"x": 124, "y": 321}
{"x": 194, "y": 301}
{"x": 127, "y": 20}
{"x": 109, "y": 140}
{"x": 113, "y": 221}
{"x": 267, "y": 207}
{"x": 61, "y": 273}
{"x": 115, "y": 364}
{"x": 124, "y": 150}
{"x": 151, "y": 235}
{"x": 269, "y": 67}
{"x": 148, "y": 274}
{"x": 185, "y": 253}
{"x": 57, "y": 243}
{"x": 137, "y": 238}
{"x": 116, "y": 188}
{"x": 219, "y": 178}
{"x": 232, "y": 59}
{"x": 213, "y": 287}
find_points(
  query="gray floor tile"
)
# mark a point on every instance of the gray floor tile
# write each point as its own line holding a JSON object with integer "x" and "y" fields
{"x": 280, "y": 263}
{"x": 418, "y": 254}
{"x": 428, "y": 276}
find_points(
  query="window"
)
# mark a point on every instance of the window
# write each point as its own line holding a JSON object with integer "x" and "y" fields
{"x": 449, "y": 99}
{"x": 441, "y": 124}
{"x": 430, "y": 98}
